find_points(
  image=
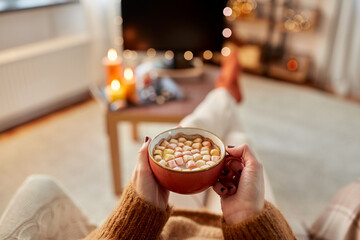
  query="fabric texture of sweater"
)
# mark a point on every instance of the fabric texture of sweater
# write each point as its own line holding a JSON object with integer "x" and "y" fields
{"x": 134, "y": 218}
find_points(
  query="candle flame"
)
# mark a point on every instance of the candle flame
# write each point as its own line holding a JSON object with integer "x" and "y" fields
{"x": 112, "y": 54}
{"x": 128, "y": 74}
{"x": 115, "y": 85}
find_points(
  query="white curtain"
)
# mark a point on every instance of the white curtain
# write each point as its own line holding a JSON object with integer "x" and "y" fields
{"x": 344, "y": 63}
{"x": 98, "y": 19}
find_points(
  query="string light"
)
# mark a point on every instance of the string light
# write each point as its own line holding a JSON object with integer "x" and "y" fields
{"x": 226, "y": 32}
{"x": 225, "y": 51}
{"x": 151, "y": 52}
{"x": 188, "y": 55}
{"x": 127, "y": 53}
{"x": 169, "y": 54}
{"x": 227, "y": 11}
{"x": 207, "y": 55}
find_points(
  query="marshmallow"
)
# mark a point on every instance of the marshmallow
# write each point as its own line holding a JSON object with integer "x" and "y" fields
{"x": 158, "y": 152}
{"x": 204, "y": 153}
{"x": 190, "y": 164}
{"x": 215, "y": 152}
{"x": 188, "y": 158}
{"x": 206, "y": 157}
{"x": 188, "y": 143}
{"x": 162, "y": 148}
{"x": 197, "y": 157}
{"x": 187, "y": 148}
{"x": 200, "y": 163}
{"x": 206, "y": 144}
{"x": 172, "y": 145}
{"x": 178, "y": 154}
{"x": 158, "y": 158}
{"x": 169, "y": 157}
{"x": 178, "y": 149}
{"x": 179, "y": 161}
{"x": 168, "y": 151}
{"x": 172, "y": 163}
{"x": 195, "y": 151}
{"x": 210, "y": 163}
{"x": 196, "y": 145}
{"x": 173, "y": 141}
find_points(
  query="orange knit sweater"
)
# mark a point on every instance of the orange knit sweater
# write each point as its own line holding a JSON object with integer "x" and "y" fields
{"x": 136, "y": 219}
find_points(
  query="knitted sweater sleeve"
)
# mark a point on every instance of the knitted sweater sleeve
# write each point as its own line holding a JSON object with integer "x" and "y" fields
{"x": 268, "y": 224}
{"x": 133, "y": 218}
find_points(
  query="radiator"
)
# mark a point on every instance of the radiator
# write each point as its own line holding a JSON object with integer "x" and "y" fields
{"x": 38, "y": 77}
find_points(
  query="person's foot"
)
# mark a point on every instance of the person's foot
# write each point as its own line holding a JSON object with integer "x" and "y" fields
{"x": 228, "y": 79}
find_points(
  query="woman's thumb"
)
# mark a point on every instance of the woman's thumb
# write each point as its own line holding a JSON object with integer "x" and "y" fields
{"x": 142, "y": 155}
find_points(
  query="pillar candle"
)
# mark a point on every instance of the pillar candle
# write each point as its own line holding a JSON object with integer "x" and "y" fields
{"x": 112, "y": 66}
{"x": 115, "y": 91}
{"x": 129, "y": 81}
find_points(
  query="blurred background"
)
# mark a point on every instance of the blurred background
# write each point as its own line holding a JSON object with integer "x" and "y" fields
{"x": 301, "y": 88}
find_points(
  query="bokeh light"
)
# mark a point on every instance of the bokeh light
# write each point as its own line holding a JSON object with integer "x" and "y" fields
{"x": 225, "y": 51}
{"x": 226, "y": 32}
{"x": 207, "y": 55}
{"x": 292, "y": 65}
{"x": 188, "y": 55}
{"x": 227, "y": 11}
{"x": 169, "y": 54}
{"x": 127, "y": 53}
{"x": 112, "y": 54}
{"x": 128, "y": 73}
{"x": 115, "y": 85}
{"x": 151, "y": 52}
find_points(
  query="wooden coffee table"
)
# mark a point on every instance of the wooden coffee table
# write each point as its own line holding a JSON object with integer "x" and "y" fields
{"x": 175, "y": 111}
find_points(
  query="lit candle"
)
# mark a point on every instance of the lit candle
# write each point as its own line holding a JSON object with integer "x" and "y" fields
{"x": 112, "y": 65}
{"x": 129, "y": 81}
{"x": 115, "y": 91}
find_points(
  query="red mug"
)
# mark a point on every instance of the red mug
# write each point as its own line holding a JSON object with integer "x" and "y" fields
{"x": 186, "y": 182}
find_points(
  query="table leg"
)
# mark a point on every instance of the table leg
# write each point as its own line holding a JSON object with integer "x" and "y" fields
{"x": 135, "y": 131}
{"x": 115, "y": 154}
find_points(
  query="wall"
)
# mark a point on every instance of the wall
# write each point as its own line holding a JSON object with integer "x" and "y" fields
{"x": 69, "y": 40}
{"x": 33, "y": 25}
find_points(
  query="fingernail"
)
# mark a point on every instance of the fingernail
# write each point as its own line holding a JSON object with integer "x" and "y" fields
{"x": 229, "y": 188}
{"x": 230, "y": 146}
{"x": 222, "y": 189}
{"x": 146, "y": 139}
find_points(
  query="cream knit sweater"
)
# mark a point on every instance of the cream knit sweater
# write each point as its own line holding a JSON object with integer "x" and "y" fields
{"x": 136, "y": 219}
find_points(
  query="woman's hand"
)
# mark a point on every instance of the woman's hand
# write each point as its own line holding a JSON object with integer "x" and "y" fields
{"x": 241, "y": 185}
{"x": 144, "y": 181}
